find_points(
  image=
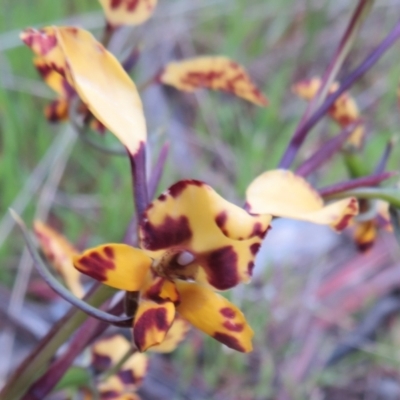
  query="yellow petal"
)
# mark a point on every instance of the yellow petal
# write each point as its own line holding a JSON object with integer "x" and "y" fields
{"x": 217, "y": 73}
{"x": 159, "y": 289}
{"x": 57, "y": 110}
{"x": 174, "y": 337}
{"x": 192, "y": 218}
{"x": 113, "y": 389}
{"x": 283, "y": 194}
{"x": 152, "y": 322}
{"x": 104, "y": 86}
{"x": 365, "y": 235}
{"x": 54, "y": 79}
{"x": 214, "y": 315}
{"x": 98, "y": 78}
{"x": 117, "y": 265}
{"x": 59, "y": 252}
{"x": 108, "y": 351}
{"x": 128, "y": 12}
{"x": 308, "y": 88}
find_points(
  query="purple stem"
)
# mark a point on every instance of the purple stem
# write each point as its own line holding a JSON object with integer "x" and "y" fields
{"x": 130, "y": 237}
{"x": 325, "y": 152}
{"x": 371, "y": 180}
{"x": 86, "y": 334}
{"x": 158, "y": 170}
{"x": 381, "y": 166}
{"x": 302, "y": 131}
{"x": 139, "y": 183}
{"x": 131, "y": 60}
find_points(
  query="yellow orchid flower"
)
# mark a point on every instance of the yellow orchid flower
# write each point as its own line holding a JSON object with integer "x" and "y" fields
{"x": 127, "y": 12}
{"x": 193, "y": 242}
{"x": 102, "y": 84}
{"x": 344, "y": 111}
{"x": 281, "y": 193}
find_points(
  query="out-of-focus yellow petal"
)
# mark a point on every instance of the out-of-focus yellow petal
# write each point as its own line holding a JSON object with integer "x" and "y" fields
{"x": 365, "y": 235}
{"x": 97, "y": 76}
{"x": 128, "y": 12}
{"x": 152, "y": 322}
{"x": 214, "y": 315}
{"x": 59, "y": 252}
{"x": 175, "y": 336}
{"x": 108, "y": 351}
{"x": 114, "y": 389}
{"x": 54, "y": 79}
{"x": 133, "y": 371}
{"x": 283, "y": 194}
{"x": 191, "y": 218}
{"x": 57, "y": 110}
{"x": 104, "y": 86}
{"x": 117, "y": 265}
{"x": 217, "y": 73}
{"x": 344, "y": 111}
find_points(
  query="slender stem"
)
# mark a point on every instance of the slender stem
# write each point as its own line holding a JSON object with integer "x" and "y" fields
{"x": 62, "y": 290}
{"x": 87, "y": 332}
{"x": 381, "y": 166}
{"x": 390, "y": 195}
{"x": 371, "y": 180}
{"x": 302, "y": 131}
{"x": 37, "y": 360}
{"x": 346, "y": 43}
{"x": 139, "y": 182}
{"x": 158, "y": 170}
{"x": 325, "y": 152}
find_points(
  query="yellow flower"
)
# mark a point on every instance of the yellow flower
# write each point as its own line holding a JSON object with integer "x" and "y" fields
{"x": 281, "y": 193}
{"x": 344, "y": 111}
{"x": 193, "y": 242}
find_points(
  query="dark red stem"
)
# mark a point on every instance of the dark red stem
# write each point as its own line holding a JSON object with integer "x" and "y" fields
{"x": 372, "y": 180}
{"x": 325, "y": 152}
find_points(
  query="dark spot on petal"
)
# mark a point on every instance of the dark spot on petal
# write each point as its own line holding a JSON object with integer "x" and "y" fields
{"x": 128, "y": 377}
{"x": 229, "y": 341}
{"x": 150, "y": 319}
{"x": 365, "y": 246}
{"x": 221, "y": 218}
{"x": 110, "y": 395}
{"x": 250, "y": 267}
{"x": 222, "y": 269}
{"x": 162, "y": 197}
{"x": 95, "y": 265}
{"x": 101, "y": 362}
{"x": 170, "y": 233}
{"x": 108, "y": 250}
{"x": 254, "y": 248}
{"x": 233, "y": 327}
{"x": 258, "y": 231}
{"x": 228, "y": 312}
{"x": 176, "y": 189}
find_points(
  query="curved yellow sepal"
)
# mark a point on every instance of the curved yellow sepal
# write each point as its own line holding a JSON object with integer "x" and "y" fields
{"x": 214, "y": 315}
{"x": 59, "y": 251}
{"x": 191, "y": 217}
{"x": 127, "y": 12}
{"x": 284, "y": 194}
{"x": 212, "y": 72}
{"x": 152, "y": 322}
{"x": 117, "y": 265}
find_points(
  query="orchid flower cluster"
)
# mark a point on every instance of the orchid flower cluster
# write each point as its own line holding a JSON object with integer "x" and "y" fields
{"x": 192, "y": 243}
